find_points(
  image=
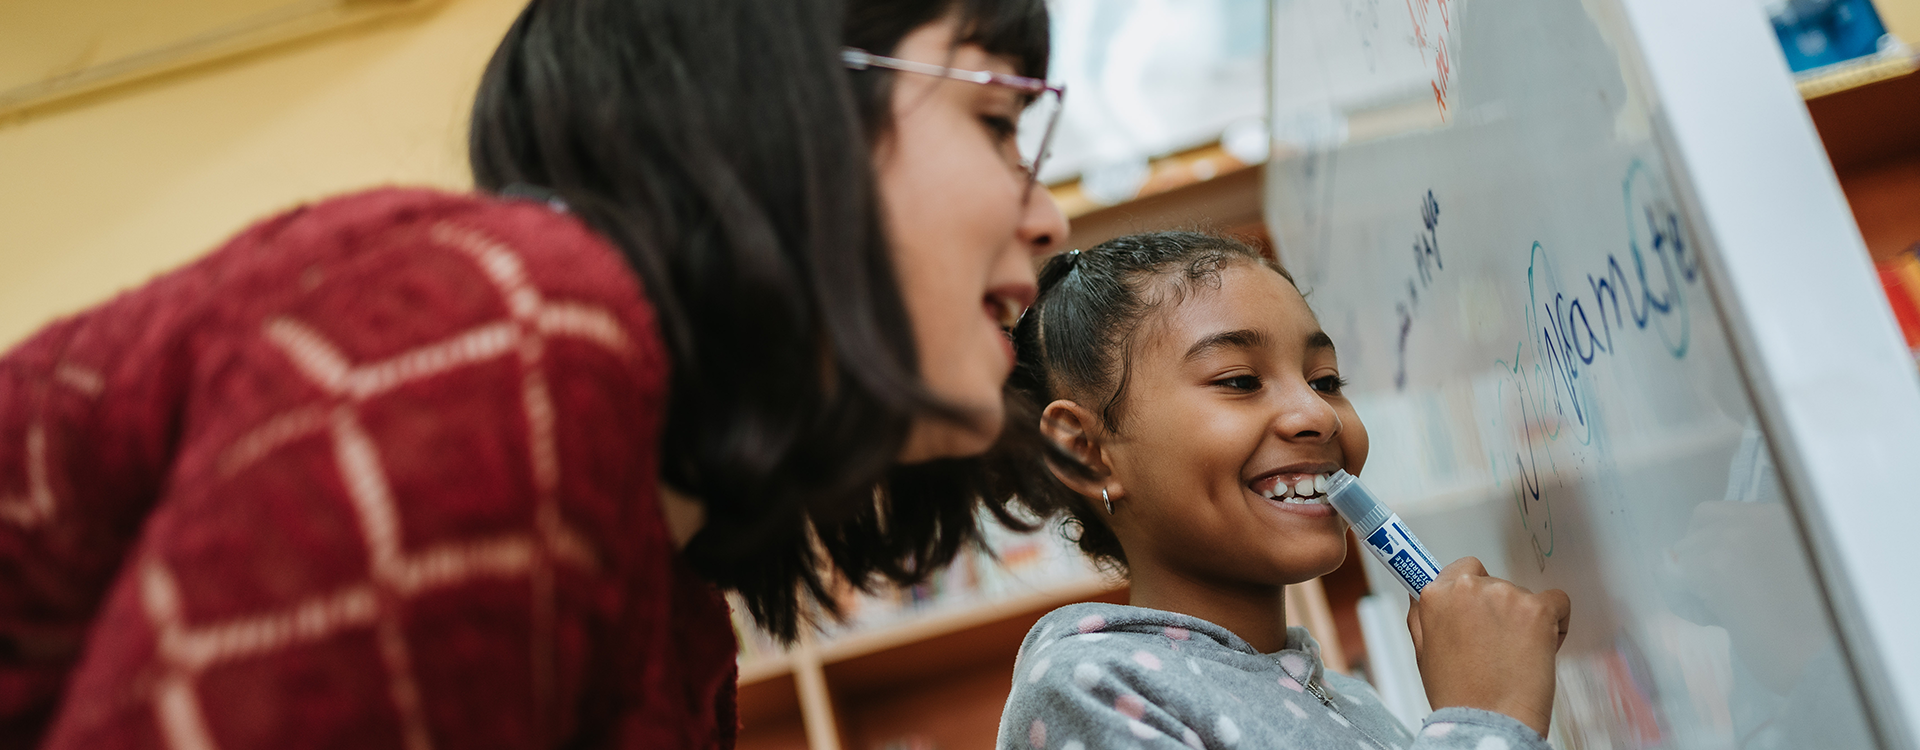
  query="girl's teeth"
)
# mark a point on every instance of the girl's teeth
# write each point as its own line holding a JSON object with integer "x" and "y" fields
{"x": 1308, "y": 490}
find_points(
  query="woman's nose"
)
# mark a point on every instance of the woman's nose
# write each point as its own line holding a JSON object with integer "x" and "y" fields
{"x": 1043, "y": 228}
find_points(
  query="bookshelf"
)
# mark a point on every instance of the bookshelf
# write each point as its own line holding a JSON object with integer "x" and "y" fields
{"x": 935, "y": 676}
{"x": 939, "y": 680}
{"x": 934, "y": 680}
{"x": 1872, "y": 135}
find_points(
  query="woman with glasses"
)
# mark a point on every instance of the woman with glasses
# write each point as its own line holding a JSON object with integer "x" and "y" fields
{"x": 415, "y": 469}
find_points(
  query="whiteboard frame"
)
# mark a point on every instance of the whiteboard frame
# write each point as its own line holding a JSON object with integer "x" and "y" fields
{"x": 1753, "y": 175}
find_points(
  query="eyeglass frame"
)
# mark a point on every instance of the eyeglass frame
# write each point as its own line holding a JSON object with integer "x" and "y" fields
{"x": 855, "y": 58}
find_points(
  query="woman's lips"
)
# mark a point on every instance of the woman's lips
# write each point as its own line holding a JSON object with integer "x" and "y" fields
{"x": 1002, "y": 309}
{"x": 1003, "y": 312}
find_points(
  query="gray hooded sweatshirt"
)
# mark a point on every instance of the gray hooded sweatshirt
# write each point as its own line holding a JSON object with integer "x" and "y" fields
{"x": 1098, "y": 676}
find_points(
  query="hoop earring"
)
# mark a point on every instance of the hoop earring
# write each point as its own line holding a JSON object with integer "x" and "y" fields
{"x": 1103, "y": 496}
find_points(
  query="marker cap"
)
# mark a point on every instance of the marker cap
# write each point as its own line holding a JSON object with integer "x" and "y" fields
{"x": 1356, "y": 504}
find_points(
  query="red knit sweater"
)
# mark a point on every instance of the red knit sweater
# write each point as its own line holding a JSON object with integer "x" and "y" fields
{"x": 379, "y": 473}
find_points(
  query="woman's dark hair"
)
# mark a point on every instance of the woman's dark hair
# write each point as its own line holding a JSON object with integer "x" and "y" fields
{"x": 1076, "y": 342}
{"x": 725, "y": 150}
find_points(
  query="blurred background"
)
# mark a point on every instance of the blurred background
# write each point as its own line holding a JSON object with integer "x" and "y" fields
{"x": 136, "y": 135}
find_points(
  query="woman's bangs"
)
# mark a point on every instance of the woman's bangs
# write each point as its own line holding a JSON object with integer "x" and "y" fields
{"x": 1014, "y": 29}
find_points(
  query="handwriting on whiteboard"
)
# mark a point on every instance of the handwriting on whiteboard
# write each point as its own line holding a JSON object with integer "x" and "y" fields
{"x": 1433, "y": 37}
{"x": 1364, "y": 17}
{"x": 1579, "y": 325}
{"x": 1644, "y": 285}
{"x": 1426, "y": 261}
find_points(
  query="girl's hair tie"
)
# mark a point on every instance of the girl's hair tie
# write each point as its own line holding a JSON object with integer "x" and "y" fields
{"x": 1056, "y": 270}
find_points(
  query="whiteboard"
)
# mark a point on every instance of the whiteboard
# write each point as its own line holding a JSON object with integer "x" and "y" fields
{"x": 1612, "y": 330}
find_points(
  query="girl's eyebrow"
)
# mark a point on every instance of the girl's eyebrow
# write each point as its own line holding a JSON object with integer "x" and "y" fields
{"x": 1319, "y": 340}
{"x": 1245, "y": 338}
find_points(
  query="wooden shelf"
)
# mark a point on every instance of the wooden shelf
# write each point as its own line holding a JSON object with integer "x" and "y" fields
{"x": 954, "y": 622}
{"x": 765, "y": 668}
{"x": 1229, "y": 202}
{"x": 916, "y": 651}
{"x": 1872, "y": 136}
{"x": 952, "y": 645}
{"x": 941, "y": 678}
{"x": 1164, "y": 174}
{"x": 1870, "y": 125}
{"x": 956, "y": 655}
{"x": 1852, "y": 74}
{"x": 769, "y": 699}
{"x": 964, "y": 617}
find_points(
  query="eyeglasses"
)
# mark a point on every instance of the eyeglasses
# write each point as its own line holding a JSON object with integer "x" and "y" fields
{"x": 1037, "y": 121}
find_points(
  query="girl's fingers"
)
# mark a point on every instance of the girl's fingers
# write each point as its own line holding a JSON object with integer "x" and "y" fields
{"x": 1469, "y": 566}
{"x": 1561, "y": 608}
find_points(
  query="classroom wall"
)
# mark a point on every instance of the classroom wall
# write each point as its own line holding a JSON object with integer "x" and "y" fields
{"x": 101, "y": 192}
{"x": 1902, "y": 18}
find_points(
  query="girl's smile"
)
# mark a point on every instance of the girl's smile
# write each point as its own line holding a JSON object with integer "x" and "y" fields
{"x": 1201, "y": 406}
{"x": 1296, "y": 489}
{"x": 1232, "y": 422}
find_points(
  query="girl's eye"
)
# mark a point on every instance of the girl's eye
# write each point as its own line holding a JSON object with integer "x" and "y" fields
{"x": 1240, "y": 382}
{"x": 1330, "y": 384}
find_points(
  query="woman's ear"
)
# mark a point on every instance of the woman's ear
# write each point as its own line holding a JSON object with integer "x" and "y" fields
{"x": 1077, "y": 431}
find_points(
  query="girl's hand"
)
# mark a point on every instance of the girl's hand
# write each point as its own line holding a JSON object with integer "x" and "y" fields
{"x": 1485, "y": 643}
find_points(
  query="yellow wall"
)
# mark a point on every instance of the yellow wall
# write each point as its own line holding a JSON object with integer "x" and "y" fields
{"x": 1902, "y": 18}
{"x": 99, "y": 193}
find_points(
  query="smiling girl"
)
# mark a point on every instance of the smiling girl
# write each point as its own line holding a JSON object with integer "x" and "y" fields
{"x": 1195, "y": 410}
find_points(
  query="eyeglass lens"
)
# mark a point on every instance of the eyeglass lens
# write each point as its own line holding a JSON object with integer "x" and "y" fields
{"x": 1037, "y": 124}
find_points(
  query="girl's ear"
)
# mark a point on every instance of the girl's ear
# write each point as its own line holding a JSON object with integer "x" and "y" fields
{"x": 1077, "y": 431}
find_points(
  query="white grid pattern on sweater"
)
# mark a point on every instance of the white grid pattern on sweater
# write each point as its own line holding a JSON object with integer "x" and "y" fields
{"x": 37, "y": 506}
{"x": 395, "y": 574}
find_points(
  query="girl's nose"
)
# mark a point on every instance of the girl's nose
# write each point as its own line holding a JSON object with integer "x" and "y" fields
{"x": 1304, "y": 415}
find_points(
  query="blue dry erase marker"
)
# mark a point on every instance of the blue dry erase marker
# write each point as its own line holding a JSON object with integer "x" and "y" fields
{"x": 1383, "y": 533}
